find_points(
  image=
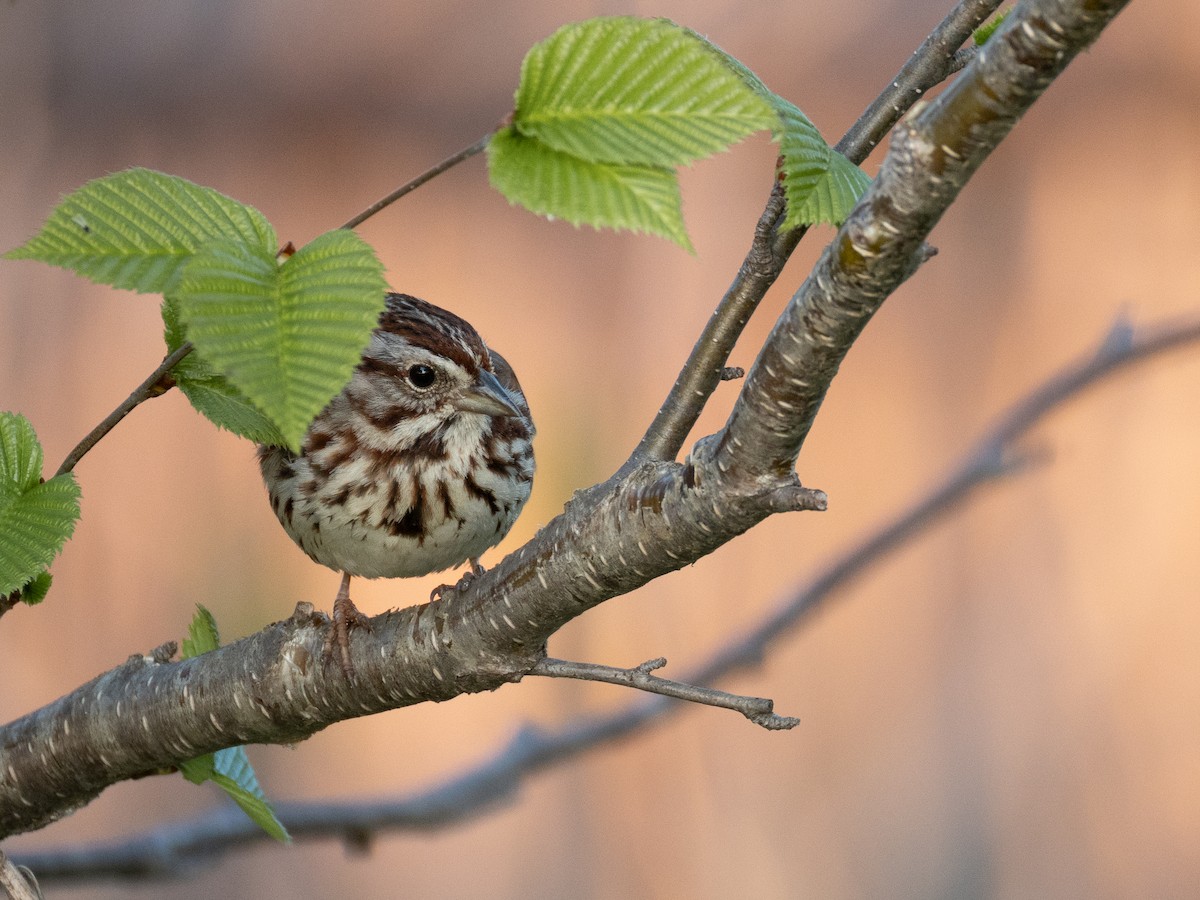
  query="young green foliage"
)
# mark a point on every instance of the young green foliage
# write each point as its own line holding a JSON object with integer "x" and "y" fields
{"x": 135, "y": 229}
{"x": 210, "y": 393}
{"x": 289, "y": 335}
{"x": 985, "y": 31}
{"x": 36, "y": 517}
{"x": 607, "y": 109}
{"x": 274, "y": 342}
{"x": 631, "y": 91}
{"x": 229, "y": 768}
{"x": 816, "y": 191}
{"x": 820, "y": 184}
{"x": 558, "y": 185}
{"x": 35, "y": 592}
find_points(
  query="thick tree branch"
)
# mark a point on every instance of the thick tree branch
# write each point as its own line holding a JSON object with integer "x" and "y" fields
{"x": 169, "y": 850}
{"x": 933, "y": 62}
{"x": 932, "y": 156}
{"x": 654, "y": 518}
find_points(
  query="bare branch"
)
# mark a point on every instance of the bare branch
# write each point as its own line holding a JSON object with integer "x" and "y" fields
{"x": 932, "y": 156}
{"x": 157, "y": 383}
{"x": 652, "y": 518}
{"x": 930, "y": 65}
{"x": 408, "y": 187}
{"x": 168, "y": 850}
{"x": 9, "y": 601}
{"x": 758, "y": 710}
{"x": 963, "y": 57}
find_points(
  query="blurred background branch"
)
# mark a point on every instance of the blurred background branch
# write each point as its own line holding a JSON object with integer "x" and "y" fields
{"x": 1007, "y": 708}
{"x": 175, "y": 849}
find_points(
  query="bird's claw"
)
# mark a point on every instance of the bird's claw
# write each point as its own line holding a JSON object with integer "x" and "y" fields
{"x": 468, "y": 576}
{"x": 337, "y": 642}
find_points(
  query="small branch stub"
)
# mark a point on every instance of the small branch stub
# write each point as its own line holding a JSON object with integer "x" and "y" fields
{"x": 758, "y": 710}
{"x": 17, "y": 882}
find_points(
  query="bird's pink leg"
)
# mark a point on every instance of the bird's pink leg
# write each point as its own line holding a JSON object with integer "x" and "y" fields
{"x": 345, "y": 616}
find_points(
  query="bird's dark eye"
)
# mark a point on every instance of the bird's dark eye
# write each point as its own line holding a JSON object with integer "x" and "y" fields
{"x": 420, "y": 376}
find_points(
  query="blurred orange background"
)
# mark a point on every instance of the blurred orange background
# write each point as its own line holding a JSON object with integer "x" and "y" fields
{"x": 1009, "y": 707}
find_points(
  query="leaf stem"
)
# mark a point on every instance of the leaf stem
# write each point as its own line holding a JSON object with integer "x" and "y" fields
{"x": 158, "y": 382}
{"x": 428, "y": 174}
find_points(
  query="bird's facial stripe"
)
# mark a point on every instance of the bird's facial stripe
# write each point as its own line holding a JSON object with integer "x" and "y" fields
{"x": 422, "y": 325}
{"x": 399, "y": 360}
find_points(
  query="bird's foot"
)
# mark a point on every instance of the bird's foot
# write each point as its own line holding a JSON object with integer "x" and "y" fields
{"x": 468, "y": 576}
{"x": 345, "y": 616}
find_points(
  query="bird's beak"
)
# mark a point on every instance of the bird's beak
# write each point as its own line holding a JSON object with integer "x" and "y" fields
{"x": 487, "y": 396}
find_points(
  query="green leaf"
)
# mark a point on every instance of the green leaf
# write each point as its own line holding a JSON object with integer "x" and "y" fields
{"x": 831, "y": 198}
{"x": 632, "y": 91}
{"x": 805, "y": 159}
{"x": 230, "y": 767}
{"x": 821, "y": 185}
{"x": 558, "y": 185}
{"x": 36, "y": 518}
{"x": 286, "y": 336}
{"x": 211, "y": 394}
{"x": 200, "y": 769}
{"x": 234, "y": 775}
{"x": 20, "y": 453}
{"x": 203, "y": 636}
{"x": 135, "y": 229}
{"x": 230, "y": 770}
{"x": 983, "y": 32}
{"x": 607, "y": 107}
{"x": 36, "y": 590}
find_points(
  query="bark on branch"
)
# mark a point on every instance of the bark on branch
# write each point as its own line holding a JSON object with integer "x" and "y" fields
{"x": 933, "y": 154}
{"x": 652, "y": 518}
{"x": 770, "y": 249}
{"x": 171, "y": 849}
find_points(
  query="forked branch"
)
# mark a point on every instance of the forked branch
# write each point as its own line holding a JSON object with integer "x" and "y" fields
{"x": 652, "y": 518}
{"x": 169, "y": 849}
{"x": 931, "y": 64}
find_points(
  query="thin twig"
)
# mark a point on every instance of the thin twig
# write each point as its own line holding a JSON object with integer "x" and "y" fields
{"x": 758, "y": 710}
{"x": 466, "y": 153}
{"x": 171, "y": 848}
{"x": 929, "y": 65}
{"x": 158, "y": 382}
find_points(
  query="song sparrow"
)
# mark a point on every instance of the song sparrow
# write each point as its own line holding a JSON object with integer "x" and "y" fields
{"x": 421, "y": 463}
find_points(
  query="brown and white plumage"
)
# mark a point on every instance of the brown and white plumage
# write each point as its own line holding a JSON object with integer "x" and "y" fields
{"x": 421, "y": 463}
